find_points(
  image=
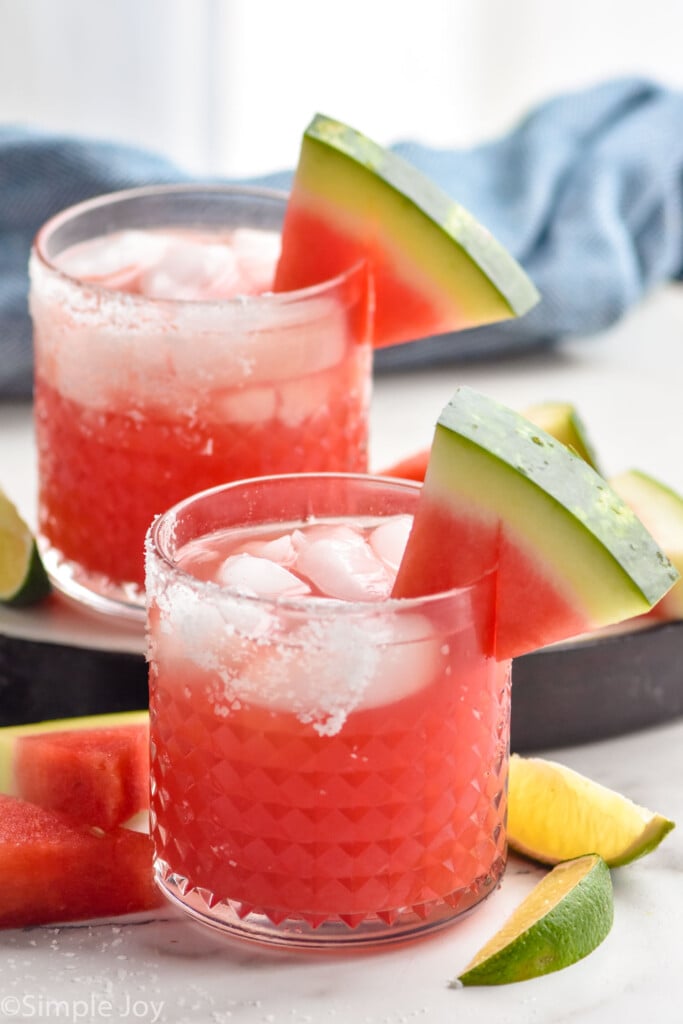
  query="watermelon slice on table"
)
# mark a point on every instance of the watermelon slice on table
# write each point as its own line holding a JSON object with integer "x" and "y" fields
{"x": 412, "y": 467}
{"x": 562, "y": 420}
{"x": 434, "y": 268}
{"x": 55, "y": 870}
{"x": 500, "y": 493}
{"x": 661, "y": 510}
{"x": 94, "y": 769}
{"x": 557, "y": 418}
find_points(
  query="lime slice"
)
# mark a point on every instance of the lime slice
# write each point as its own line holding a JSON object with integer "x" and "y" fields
{"x": 23, "y": 579}
{"x": 555, "y": 814}
{"x": 562, "y": 421}
{"x": 562, "y": 920}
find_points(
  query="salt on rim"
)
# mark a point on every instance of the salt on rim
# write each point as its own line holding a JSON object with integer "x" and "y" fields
{"x": 89, "y": 304}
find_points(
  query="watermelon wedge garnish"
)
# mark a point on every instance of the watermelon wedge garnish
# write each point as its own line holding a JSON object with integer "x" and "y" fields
{"x": 499, "y": 493}
{"x": 433, "y": 267}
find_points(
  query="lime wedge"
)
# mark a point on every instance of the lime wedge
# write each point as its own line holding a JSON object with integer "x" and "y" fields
{"x": 23, "y": 579}
{"x": 554, "y": 814}
{"x": 562, "y": 920}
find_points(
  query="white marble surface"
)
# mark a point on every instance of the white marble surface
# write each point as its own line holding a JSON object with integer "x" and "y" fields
{"x": 626, "y": 384}
{"x": 129, "y": 970}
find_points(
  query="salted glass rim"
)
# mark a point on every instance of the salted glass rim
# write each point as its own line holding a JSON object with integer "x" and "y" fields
{"x": 270, "y": 298}
{"x": 311, "y": 605}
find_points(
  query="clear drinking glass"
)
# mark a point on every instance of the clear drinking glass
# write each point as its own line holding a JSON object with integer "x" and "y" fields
{"x": 141, "y": 400}
{"x": 324, "y": 772}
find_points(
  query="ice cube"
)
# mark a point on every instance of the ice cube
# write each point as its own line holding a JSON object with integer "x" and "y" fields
{"x": 339, "y": 563}
{"x": 247, "y": 405}
{"x": 277, "y": 549}
{"x": 388, "y": 541}
{"x": 303, "y": 398}
{"x": 256, "y": 253}
{"x": 259, "y": 577}
{"x": 192, "y": 269}
{"x": 409, "y": 658}
{"x": 294, "y": 340}
{"x": 323, "y": 531}
{"x": 329, "y": 667}
{"x": 200, "y": 559}
{"x": 116, "y": 261}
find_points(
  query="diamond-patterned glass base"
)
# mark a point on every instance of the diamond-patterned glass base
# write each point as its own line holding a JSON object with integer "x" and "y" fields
{"x": 358, "y": 838}
{"x": 243, "y": 922}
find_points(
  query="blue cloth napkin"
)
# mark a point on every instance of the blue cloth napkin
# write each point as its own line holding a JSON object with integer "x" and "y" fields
{"x": 587, "y": 192}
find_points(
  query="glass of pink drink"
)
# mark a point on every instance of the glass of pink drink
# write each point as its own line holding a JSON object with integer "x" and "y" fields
{"x": 329, "y": 765}
{"x": 164, "y": 366}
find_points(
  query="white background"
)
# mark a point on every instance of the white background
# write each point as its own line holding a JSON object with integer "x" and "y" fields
{"x": 225, "y": 87}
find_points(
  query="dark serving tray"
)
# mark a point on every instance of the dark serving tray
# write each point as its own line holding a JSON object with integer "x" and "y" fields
{"x": 592, "y": 689}
{"x": 597, "y": 688}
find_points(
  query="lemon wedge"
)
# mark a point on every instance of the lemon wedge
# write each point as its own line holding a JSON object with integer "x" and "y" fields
{"x": 555, "y": 814}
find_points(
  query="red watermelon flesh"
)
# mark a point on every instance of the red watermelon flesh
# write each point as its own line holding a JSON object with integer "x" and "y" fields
{"x": 317, "y": 251}
{"x": 530, "y": 608}
{"x": 56, "y": 870}
{"x": 98, "y": 776}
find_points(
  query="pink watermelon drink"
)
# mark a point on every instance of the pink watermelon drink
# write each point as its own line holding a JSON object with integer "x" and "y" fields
{"x": 164, "y": 366}
{"x": 328, "y": 765}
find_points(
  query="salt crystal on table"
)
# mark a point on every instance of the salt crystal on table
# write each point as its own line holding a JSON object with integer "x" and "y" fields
{"x": 259, "y": 577}
{"x": 340, "y": 564}
{"x": 389, "y": 540}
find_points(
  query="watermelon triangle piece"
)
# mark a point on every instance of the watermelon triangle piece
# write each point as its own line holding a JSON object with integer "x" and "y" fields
{"x": 661, "y": 509}
{"x": 499, "y": 493}
{"x": 95, "y": 769}
{"x": 433, "y": 267}
{"x": 55, "y": 870}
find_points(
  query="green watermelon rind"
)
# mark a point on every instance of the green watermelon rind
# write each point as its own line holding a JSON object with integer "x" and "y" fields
{"x": 552, "y": 502}
{"x": 386, "y": 178}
